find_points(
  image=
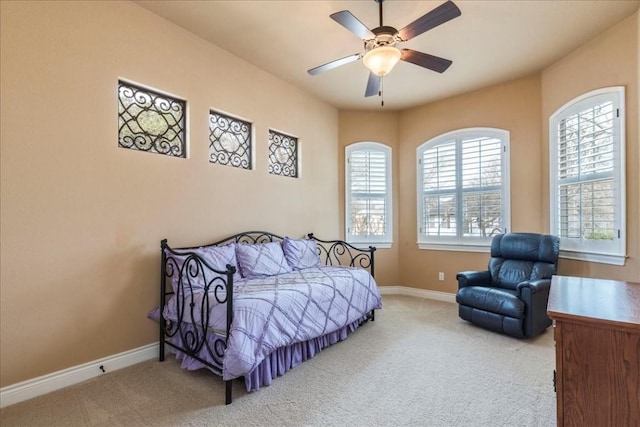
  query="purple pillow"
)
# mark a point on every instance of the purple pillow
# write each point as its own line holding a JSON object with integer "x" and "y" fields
{"x": 219, "y": 257}
{"x": 301, "y": 253}
{"x": 215, "y": 256}
{"x": 261, "y": 259}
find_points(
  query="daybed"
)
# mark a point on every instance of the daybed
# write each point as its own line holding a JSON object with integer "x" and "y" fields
{"x": 255, "y": 304}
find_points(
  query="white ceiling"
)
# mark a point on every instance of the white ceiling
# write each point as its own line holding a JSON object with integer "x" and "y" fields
{"x": 491, "y": 42}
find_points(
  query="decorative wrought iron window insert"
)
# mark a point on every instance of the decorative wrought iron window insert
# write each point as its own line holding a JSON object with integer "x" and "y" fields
{"x": 283, "y": 154}
{"x": 229, "y": 141}
{"x": 151, "y": 121}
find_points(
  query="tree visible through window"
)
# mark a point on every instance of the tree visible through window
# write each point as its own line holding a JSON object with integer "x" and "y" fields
{"x": 588, "y": 175}
{"x": 462, "y": 183}
{"x": 368, "y": 193}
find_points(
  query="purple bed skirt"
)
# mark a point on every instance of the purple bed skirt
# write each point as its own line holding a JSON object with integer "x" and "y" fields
{"x": 281, "y": 360}
{"x": 285, "y": 358}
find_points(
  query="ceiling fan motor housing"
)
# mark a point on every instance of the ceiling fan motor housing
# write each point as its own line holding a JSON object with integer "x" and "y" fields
{"x": 385, "y": 36}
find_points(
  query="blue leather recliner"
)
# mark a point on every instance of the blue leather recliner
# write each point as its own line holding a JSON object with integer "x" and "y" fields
{"x": 511, "y": 296}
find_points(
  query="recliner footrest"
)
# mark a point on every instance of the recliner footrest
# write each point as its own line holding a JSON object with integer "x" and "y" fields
{"x": 492, "y": 321}
{"x": 494, "y": 300}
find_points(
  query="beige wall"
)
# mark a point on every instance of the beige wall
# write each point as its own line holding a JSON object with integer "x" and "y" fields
{"x": 611, "y": 59}
{"x": 82, "y": 219}
{"x": 379, "y": 127}
{"x": 513, "y": 106}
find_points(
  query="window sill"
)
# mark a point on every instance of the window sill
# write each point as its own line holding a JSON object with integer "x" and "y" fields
{"x": 454, "y": 247}
{"x": 365, "y": 245}
{"x": 594, "y": 257}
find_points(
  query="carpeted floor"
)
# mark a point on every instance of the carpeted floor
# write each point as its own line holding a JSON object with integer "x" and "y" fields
{"x": 418, "y": 364}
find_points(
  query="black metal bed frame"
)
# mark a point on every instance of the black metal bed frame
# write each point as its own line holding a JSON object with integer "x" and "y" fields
{"x": 188, "y": 267}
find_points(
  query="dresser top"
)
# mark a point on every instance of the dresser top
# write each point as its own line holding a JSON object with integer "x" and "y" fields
{"x": 607, "y": 302}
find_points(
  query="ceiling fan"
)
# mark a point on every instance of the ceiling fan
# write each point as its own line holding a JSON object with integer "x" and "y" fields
{"x": 380, "y": 44}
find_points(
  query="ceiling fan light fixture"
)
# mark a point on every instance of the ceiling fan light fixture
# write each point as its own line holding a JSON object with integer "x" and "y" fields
{"x": 381, "y": 60}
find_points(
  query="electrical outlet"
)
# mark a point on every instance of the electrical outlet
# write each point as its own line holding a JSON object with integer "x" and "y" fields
{"x": 441, "y": 276}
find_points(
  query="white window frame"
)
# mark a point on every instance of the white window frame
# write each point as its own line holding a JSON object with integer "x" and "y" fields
{"x": 459, "y": 242}
{"x": 386, "y": 240}
{"x": 579, "y": 249}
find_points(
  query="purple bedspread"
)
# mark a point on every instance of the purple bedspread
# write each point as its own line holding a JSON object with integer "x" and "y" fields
{"x": 275, "y": 312}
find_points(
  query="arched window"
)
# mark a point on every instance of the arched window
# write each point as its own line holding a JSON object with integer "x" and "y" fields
{"x": 463, "y": 189}
{"x": 586, "y": 155}
{"x": 368, "y": 194}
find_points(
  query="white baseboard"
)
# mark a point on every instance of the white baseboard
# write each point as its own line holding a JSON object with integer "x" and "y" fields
{"x": 29, "y": 389}
{"x": 419, "y": 293}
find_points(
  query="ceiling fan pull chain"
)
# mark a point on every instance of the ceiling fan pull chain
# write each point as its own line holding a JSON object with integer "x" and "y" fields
{"x": 380, "y": 94}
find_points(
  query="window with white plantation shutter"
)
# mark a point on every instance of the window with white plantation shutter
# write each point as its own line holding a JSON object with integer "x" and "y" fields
{"x": 463, "y": 189}
{"x": 587, "y": 177}
{"x": 368, "y": 194}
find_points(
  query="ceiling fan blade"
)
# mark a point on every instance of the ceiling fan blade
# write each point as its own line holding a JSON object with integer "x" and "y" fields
{"x": 441, "y": 14}
{"x": 373, "y": 85}
{"x": 425, "y": 60}
{"x": 334, "y": 64}
{"x": 351, "y": 23}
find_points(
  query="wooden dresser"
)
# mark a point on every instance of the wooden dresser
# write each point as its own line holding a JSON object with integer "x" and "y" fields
{"x": 597, "y": 335}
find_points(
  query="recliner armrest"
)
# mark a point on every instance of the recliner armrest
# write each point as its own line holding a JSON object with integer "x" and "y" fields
{"x": 471, "y": 278}
{"x": 535, "y": 286}
{"x": 535, "y": 294}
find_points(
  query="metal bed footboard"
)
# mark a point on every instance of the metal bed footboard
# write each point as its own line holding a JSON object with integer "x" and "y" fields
{"x": 187, "y": 269}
